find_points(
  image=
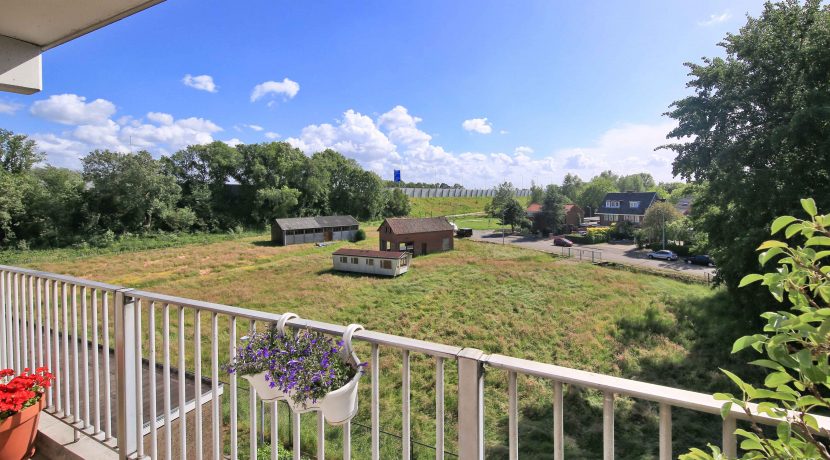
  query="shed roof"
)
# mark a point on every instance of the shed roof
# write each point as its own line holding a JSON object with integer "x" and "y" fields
{"x": 625, "y": 198}
{"x": 302, "y": 223}
{"x": 403, "y": 226}
{"x": 368, "y": 253}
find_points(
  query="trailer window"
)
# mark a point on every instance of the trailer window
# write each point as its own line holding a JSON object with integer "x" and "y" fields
{"x": 387, "y": 264}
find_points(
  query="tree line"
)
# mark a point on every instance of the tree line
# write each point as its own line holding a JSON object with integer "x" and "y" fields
{"x": 206, "y": 188}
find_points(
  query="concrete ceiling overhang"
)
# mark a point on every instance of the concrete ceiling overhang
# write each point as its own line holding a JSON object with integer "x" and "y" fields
{"x": 29, "y": 27}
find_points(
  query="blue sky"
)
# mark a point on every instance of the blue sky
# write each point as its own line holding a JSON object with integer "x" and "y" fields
{"x": 461, "y": 91}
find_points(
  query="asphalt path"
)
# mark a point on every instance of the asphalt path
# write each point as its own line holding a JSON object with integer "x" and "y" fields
{"x": 626, "y": 254}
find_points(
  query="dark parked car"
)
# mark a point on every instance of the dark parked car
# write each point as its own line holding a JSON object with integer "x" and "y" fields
{"x": 700, "y": 259}
{"x": 664, "y": 254}
{"x": 464, "y": 232}
{"x": 558, "y": 241}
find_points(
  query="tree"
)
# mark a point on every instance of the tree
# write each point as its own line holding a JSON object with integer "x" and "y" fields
{"x": 594, "y": 192}
{"x": 657, "y": 217}
{"x": 537, "y": 193}
{"x": 56, "y": 212}
{"x": 505, "y": 193}
{"x": 11, "y": 205}
{"x": 273, "y": 203}
{"x": 18, "y": 153}
{"x": 636, "y": 182}
{"x": 552, "y": 216}
{"x": 128, "y": 191}
{"x": 572, "y": 186}
{"x": 756, "y": 131}
{"x": 513, "y": 214}
{"x": 397, "y": 204}
{"x": 794, "y": 345}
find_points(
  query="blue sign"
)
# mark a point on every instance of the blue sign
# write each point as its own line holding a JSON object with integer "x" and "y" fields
{"x": 397, "y": 175}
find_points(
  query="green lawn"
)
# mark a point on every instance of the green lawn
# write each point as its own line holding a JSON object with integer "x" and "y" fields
{"x": 500, "y": 299}
{"x": 431, "y": 207}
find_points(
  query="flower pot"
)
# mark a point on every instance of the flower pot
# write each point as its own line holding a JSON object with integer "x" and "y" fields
{"x": 340, "y": 405}
{"x": 17, "y": 433}
{"x": 263, "y": 388}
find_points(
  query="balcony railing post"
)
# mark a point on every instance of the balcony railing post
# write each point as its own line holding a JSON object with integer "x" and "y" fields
{"x": 470, "y": 404}
{"x": 125, "y": 358}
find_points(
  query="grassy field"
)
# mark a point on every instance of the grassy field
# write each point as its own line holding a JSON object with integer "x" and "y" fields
{"x": 499, "y": 299}
{"x": 430, "y": 207}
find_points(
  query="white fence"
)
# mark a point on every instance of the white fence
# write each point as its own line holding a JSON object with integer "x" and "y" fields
{"x": 454, "y": 192}
{"x": 49, "y": 319}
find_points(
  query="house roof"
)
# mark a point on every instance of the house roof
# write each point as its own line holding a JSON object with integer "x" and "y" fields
{"x": 570, "y": 206}
{"x": 302, "y": 223}
{"x": 534, "y": 207}
{"x": 625, "y": 198}
{"x": 403, "y": 226}
{"x": 368, "y": 253}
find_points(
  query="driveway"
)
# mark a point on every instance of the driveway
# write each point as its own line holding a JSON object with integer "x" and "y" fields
{"x": 626, "y": 254}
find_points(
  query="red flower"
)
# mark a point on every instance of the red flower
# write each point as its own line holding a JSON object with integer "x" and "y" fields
{"x": 23, "y": 390}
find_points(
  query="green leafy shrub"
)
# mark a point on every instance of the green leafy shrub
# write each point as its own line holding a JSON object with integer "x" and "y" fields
{"x": 796, "y": 343}
{"x": 359, "y": 235}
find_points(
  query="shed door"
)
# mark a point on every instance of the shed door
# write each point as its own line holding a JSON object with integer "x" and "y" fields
{"x": 423, "y": 248}
{"x": 327, "y": 234}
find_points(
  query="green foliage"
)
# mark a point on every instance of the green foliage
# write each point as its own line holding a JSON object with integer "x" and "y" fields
{"x": 514, "y": 214}
{"x": 397, "y": 204}
{"x": 359, "y": 235}
{"x": 537, "y": 193}
{"x": 594, "y": 192}
{"x": 623, "y": 230}
{"x": 756, "y": 131}
{"x": 658, "y": 215}
{"x": 572, "y": 186}
{"x": 795, "y": 345}
{"x": 552, "y": 217}
{"x": 640, "y": 182}
{"x": 18, "y": 153}
{"x": 595, "y": 235}
{"x": 505, "y": 195}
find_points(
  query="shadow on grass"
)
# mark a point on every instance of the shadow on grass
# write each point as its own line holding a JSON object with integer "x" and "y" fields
{"x": 680, "y": 345}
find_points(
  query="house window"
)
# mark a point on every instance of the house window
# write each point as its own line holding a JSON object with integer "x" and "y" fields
{"x": 355, "y": 260}
{"x": 612, "y": 203}
{"x": 370, "y": 262}
{"x": 634, "y": 204}
{"x": 387, "y": 264}
{"x": 344, "y": 259}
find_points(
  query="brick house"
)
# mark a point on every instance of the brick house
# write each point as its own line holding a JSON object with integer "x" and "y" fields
{"x": 416, "y": 236}
{"x": 573, "y": 214}
{"x": 625, "y": 206}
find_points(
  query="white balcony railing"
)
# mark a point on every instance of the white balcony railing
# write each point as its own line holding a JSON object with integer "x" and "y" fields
{"x": 102, "y": 340}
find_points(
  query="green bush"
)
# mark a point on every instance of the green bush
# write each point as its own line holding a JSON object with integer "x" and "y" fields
{"x": 359, "y": 235}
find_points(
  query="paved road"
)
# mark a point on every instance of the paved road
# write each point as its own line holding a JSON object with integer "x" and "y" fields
{"x": 627, "y": 254}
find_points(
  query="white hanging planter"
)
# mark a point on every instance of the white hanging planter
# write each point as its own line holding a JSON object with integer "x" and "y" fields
{"x": 338, "y": 406}
{"x": 263, "y": 387}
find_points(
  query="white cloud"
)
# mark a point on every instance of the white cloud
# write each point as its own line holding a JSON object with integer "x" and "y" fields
{"x": 254, "y": 127}
{"x": 288, "y": 88}
{"x": 272, "y": 135}
{"x": 200, "y": 82}
{"x": 504, "y": 131}
{"x": 478, "y": 125}
{"x": 71, "y": 109}
{"x": 715, "y": 19}
{"x": 160, "y": 133}
{"x": 233, "y": 142}
{"x": 9, "y": 108}
{"x": 394, "y": 141}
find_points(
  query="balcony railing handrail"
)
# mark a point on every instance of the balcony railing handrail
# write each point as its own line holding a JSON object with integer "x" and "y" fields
{"x": 676, "y": 397}
{"x": 62, "y": 278}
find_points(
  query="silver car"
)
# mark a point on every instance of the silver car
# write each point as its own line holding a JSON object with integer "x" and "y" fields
{"x": 664, "y": 254}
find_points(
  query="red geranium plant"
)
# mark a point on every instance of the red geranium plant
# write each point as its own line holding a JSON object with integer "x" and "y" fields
{"x": 21, "y": 391}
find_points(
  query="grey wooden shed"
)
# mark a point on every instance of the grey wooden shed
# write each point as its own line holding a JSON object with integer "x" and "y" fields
{"x": 318, "y": 229}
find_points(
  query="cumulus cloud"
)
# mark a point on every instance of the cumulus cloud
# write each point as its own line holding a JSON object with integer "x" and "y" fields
{"x": 255, "y": 127}
{"x": 715, "y": 19}
{"x": 287, "y": 88}
{"x": 272, "y": 135}
{"x": 9, "y": 108}
{"x": 477, "y": 125}
{"x": 233, "y": 142}
{"x": 93, "y": 128}
{"x": 394, "y": 141}
{"x": 71, "y": 109}
{"x": 200, "y": 82}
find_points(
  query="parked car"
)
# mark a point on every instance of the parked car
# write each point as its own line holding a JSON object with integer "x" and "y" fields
{"x": 559, "y": 241}
{"x": 464, "y": 232}
{"x": 582, "y": 232}
{"x": 663, "y": 254}
{"x": 700, "y": 259}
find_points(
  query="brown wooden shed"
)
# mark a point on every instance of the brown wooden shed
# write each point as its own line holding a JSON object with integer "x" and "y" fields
{"x": 416, "y": 236}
